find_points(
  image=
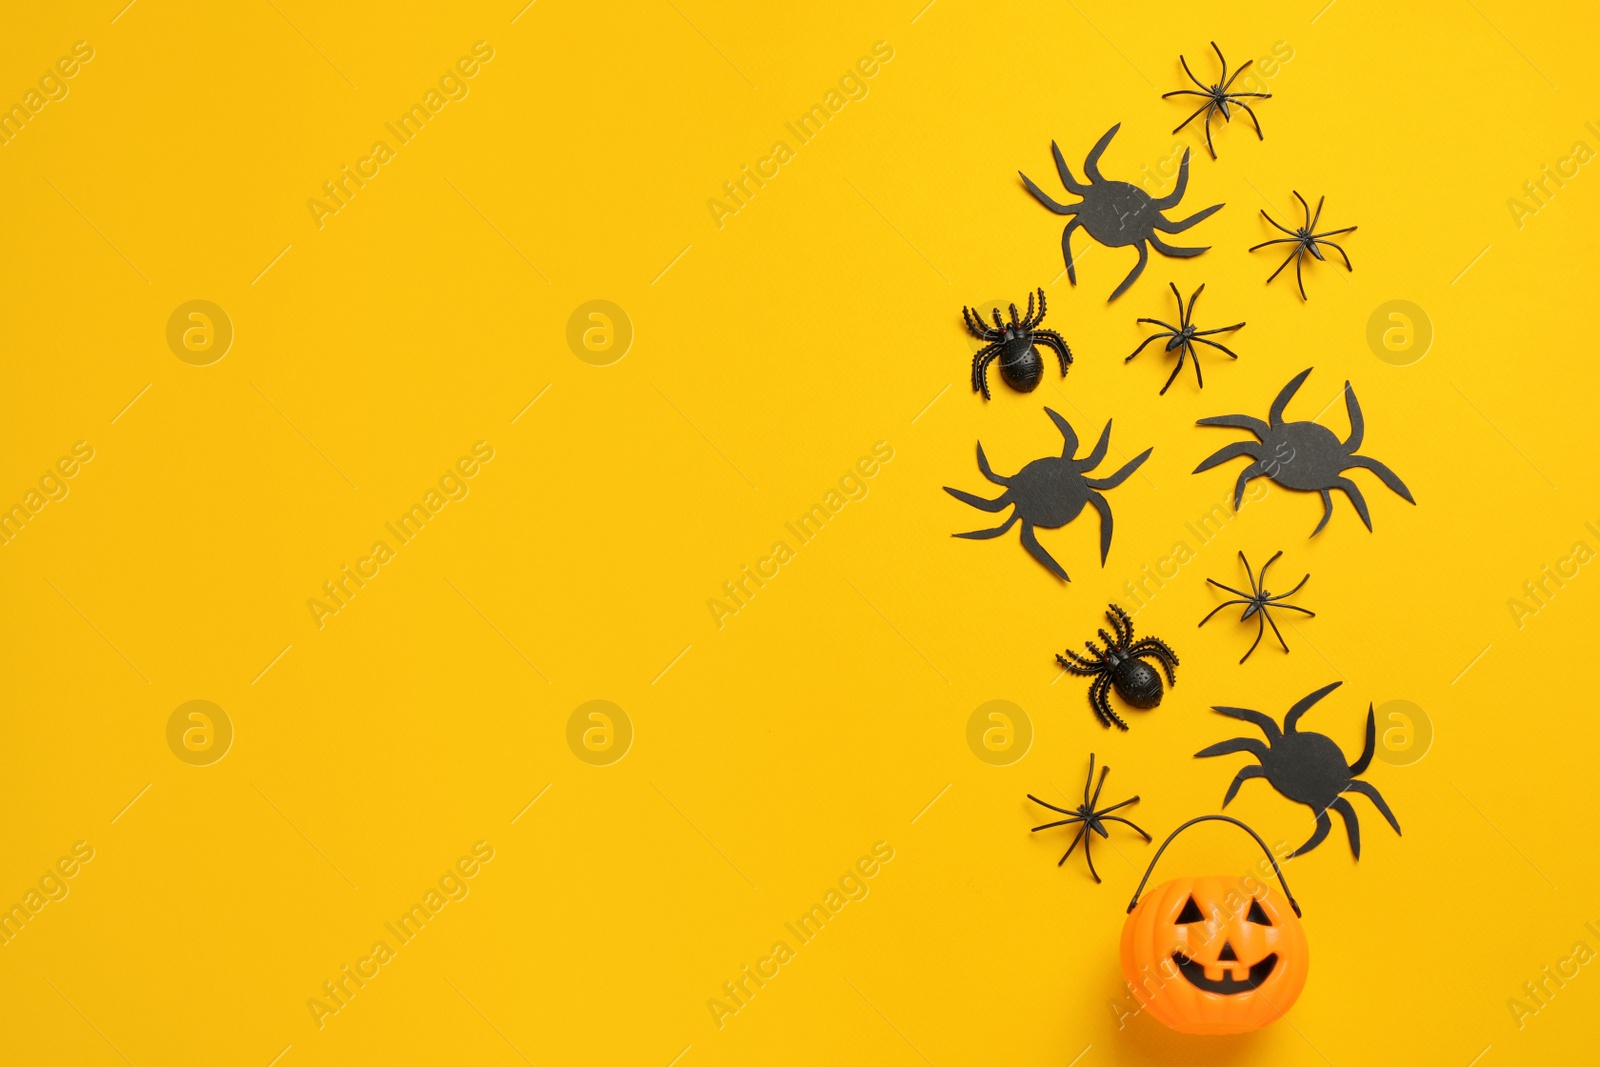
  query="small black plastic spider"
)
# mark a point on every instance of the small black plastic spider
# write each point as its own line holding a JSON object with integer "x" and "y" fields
{"x": 1304, "y": 240}
{"x": 1121, "y": 665}
{"x": 1092, "y": 821}
{"x": 1218, "y": 98}
{"x": 1305, "y": 767}
{"x": 1117, "y": 213}
{"x": 1013, "y": 344}
{"x": 1259, "y": 602}
{"x": 1183, "y": 336}
{"x": 1051, "y": 492}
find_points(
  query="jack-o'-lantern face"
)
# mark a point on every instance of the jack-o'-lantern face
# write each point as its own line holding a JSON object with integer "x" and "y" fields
{"x": 1208, "y": 956}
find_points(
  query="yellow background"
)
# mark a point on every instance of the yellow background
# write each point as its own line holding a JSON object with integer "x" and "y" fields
{"x": 769, "y": 355}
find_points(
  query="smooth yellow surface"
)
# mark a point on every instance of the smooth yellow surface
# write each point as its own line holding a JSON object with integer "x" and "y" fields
{"x": 771, "y": 353}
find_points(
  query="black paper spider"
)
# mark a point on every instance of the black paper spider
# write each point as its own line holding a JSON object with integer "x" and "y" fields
{"x": 1303, "y": 455}
{"x": 1121, "y": 665}
{"x": 1050, "y": 492}
{"x": 1013, "y": 344}
{"x": 1183, "y": 337}
{"x": 1117, "y": 213}
{"x": 1304, "y": 240}
{"x": 1308, "y": 768}
{"x": 1217, "y": 98}
{"x": 1259, "y": 602}
{"x": 1092, "y": 821}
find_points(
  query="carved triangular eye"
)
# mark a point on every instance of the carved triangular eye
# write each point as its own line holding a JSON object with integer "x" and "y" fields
{"x": 1257, "y": 915}
{"x": 1191, "y": 913}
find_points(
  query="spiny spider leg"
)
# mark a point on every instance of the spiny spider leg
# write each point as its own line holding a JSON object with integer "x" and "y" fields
{"x": 975, "y": 325}
{"x": 980, "y": 366}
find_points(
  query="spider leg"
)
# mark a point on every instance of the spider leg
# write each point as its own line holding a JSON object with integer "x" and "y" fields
{"x": 1281, "y": 402}
{"x": 1121, "y": 623}
{"x": 1189, "y": 72}
{"x": 1174, "y": 375}
{"x": 1039, "y": 195}
{"x": 1255, "y": 594}
{"x": 1241, "y": 422}
{"x": 1220, "y": 329}
{"x": 1052, "y": 807}
{"x": 1214, "y": 344}
{"x": 1247, "y": 110}
{"x": 1195, "y": 359}
{"x": 984, "y": 535}
{"x": 1040, "y": 319}
{"x": 1354, "y": 493}
{"x": 1366, "y": 790}
{"x": 1275, "y": 631}
{"x": 1244, "y": 775}
{"x": 1255, "y": 470}
{"x": 1188, "y": 313}
{"x": 1183, "y": 92}
{"x": 1327, "y": 511}
{"x": 1311, "y": 223}
{"x": 1219, "y": 607}
{"x": 1342, "y": 255}
{"x": 1058, "y": 822}
{"x": 999, "y": 324}
{"x": 1351, "y": 826}
{"x": 1036, "y": 550}
{"x": 1260, "y": 629}
{"x": 1265, "y": 722}
{"x": 1274, "y": 241}
{"x": 1209, "y": 104}
{"x": 1090, "y": 802}
{"x": 1138, "y": 269}
{"x": 1161, "y": 322}
{"x": 986, "y": 471}
{"x": 1066, "y": 251}
{"x": 1121, "y": 474}
{"x": 1284, "y": 229}
{"x": 1385, "y": 475}
{"x": 1078, "y": 664}
{"x": 1104, "y": 509}
{"x": 975, "y": 325}
{"x": 1168, "y": 226}
{"x": 1367, "y": 748}
{"x": 1076, "y": 838}
{"x": 1175, "y": 251}
{"x": 1298, "y": 276}
{"x": 1209, "y": 146}
{"x": 1258, "y": 749}
{"x": 1172, "y": 198}
{"x": 1306, "y": 207}
{"x": 981, "y": 503}
{"x": 1294, "y": 257}
{"x": 1088, "y": 854}
{"x": 980, "y": 367}
{"x": 1260, "y": 583}
{"x": 1027, "y": 322}
{"x": 1304, "y": 704}
{"x": 1054, "y": 341}
{"x": 1324, "y": 824}
{"x": 1091, "y": 162}
{"x": 1147, "y": 340}
{"x": 1125, "y": 822}
{"x": 1069, "y": 436}
{"x": 1236, "y": 73}
{"x": 1227, "y": 452}
{"x": 1102, "y": 706}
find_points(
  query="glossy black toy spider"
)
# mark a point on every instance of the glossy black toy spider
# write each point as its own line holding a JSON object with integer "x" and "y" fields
{"x": 1050, "y": 492}
{"x": 1304, "y": 241}
{"x": 1259, "y": 602}
{"x": 1183, "y": 337}
{"x": 1121, "y": 665}
{"x": 1303, "y": 455}
{"x": 1218, "y": 98}
{"x": 1117, "y": 213}
{"x": 1308, "y": 768}
{"x": 1013, "y": 344}
{"x": 1092, "y": 821}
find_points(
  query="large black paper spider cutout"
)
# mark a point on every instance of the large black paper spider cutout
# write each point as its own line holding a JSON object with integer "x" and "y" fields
{"x": 1183, "y": 337}
{"x": 1303, "y": 455}
{"x": 1117, "y": 213}
{"x": 1259, "y": 602}
{"x": 1092, "y": 821}
{"x": 1013, "y": 344}
{"x": 1305, "y": 767}
{"x": 1050, "y": 493}
{"x": 1217, "y": 98}
{"x": 1304, "y": 241}
{"x": 1122, "y": 665}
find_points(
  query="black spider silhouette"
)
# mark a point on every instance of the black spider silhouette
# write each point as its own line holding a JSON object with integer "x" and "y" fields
{"x": 1121, "y": 665}
{"x": 1259, "y": 602}
{"x": 1218, "y": 98}
{"x": 1093, "y": 822}
{"x": 1303, "y": 455}
{"x": 1013, "y": 345}
{"x": 1050, "y": 492}
{"x": 1183, "y": 337}
{"x": 1305, "y": 767}
{"x": 1304, "y": 240}
{"x": 1117, "y": 213}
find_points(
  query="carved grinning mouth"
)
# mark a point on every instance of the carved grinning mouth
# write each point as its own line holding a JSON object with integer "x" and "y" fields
{"x": 1227, "y": 985}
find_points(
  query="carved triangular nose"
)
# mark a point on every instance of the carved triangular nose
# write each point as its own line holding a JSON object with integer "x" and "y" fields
{"x": 1227, "y": 954}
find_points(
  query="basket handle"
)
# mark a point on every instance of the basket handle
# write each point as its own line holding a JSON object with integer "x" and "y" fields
{"x": 1220, "y": 818}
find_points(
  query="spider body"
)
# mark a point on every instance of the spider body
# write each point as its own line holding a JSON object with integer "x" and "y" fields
{"x": 1307, "y": 768}
{"x": 1090, "y": 821}
{"x": 1118, "y": 214}
{"x": 1182, "y": 337}
{"x": 1306, "y": 242}
{"x": 1259, "y": 602}
{"x": 1121, "y": 666}
{"x": 1050, "y": 493}
{"x": 1303, "y": 455}
{"x": 1014, "y": 345}
{"x": 1218, "y": 98}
